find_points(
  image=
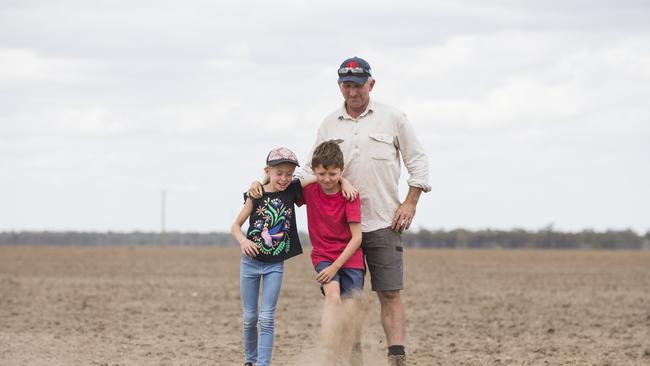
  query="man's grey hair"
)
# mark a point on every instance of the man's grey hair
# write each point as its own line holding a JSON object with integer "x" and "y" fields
{"x": 370, "y": 78}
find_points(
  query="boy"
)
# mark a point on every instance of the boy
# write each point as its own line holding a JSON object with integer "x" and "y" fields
{"x": 334, "y": 225}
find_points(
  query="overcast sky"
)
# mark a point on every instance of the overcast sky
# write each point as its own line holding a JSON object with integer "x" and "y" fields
{"x": 532, "y": 112}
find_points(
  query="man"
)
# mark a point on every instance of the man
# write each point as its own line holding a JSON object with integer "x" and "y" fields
{"x": 374, "y": 137}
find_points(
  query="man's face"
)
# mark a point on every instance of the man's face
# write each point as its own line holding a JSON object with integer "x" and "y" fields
{"x": 356, "y": 96}
{"x": 328, "y": 178}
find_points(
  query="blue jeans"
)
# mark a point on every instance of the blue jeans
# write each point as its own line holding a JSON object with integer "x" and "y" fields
{"x": 253, "y": 272}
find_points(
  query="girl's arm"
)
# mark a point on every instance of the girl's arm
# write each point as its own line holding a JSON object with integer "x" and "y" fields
{"x": 349, "y": 191}
{"x": 328, "y": 273}
{"x": 247, "y": 247}
{"x": 255, "y": 190}
{"x": 308, "y": 180}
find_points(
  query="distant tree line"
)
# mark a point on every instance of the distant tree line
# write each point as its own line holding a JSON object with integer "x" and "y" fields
{"x": 546, "y": 238}
{"x": 114, "y": 238}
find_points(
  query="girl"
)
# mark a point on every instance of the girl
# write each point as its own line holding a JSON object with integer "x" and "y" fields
{"x": 271, "y": 239}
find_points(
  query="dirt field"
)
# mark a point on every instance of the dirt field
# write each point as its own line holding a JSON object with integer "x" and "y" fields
{"x": 180, "y": 306}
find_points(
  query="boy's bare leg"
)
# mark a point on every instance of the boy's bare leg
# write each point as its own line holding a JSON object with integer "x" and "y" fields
{"x": 361, "y": 308}
{"x": 351, "y": 335}
{"x": 331, "y": 321}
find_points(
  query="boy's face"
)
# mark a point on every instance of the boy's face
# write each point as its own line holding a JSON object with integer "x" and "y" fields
{"x": 328, "y": 178}
{"x": 280, "y": 176}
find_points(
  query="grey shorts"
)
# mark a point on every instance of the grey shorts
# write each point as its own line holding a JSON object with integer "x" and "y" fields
{"x": 383, "y": 252}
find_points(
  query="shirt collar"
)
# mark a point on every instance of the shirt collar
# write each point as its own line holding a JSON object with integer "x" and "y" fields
{"x": 343, "y": 113}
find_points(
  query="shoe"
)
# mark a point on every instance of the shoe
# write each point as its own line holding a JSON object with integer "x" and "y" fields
{"x": 396, "y": 360}
{"x": 248, "y": 364}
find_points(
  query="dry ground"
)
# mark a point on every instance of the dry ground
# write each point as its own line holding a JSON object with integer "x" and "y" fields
{"x": 180, "y": 306}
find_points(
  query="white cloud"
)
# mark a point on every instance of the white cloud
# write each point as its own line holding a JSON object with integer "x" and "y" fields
{"x": 27, "y": 65}
{"x": 531, "y": 112}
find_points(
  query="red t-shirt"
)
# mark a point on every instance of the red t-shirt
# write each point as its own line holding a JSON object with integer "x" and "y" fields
{"x": 328, "y": 218}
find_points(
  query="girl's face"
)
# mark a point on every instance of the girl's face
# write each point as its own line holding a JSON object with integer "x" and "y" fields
{"x": 280, "y": 176}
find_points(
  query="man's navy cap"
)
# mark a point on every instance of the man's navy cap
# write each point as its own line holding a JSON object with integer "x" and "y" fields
{"x": 354, "y": 69}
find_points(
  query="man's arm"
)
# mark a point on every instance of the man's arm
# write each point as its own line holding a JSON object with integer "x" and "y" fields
{"x": 413, "y": 154}
{"x": 406, "y": 211}
{"x": 417, "y": 165}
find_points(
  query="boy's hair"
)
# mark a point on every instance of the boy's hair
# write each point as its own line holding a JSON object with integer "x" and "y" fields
{"x": 328, "y": 154}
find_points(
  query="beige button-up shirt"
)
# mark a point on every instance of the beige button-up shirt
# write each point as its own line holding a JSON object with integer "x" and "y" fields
{"x": 372, "y": 145}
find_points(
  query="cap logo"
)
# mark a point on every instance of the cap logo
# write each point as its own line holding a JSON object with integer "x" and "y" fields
{"x": 352, "y": 64}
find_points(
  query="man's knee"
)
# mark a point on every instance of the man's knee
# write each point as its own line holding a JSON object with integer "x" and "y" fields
{"x": 389, "y": 296}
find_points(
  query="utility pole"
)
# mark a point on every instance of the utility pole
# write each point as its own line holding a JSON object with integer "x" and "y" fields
{"x": 163, "y": 198}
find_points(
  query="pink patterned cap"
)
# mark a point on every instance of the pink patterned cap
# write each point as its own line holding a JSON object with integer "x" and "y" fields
{"x": 281, "y": 155}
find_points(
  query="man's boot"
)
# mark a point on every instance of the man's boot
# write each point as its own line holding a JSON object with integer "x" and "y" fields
{"x": 396, "y": 360}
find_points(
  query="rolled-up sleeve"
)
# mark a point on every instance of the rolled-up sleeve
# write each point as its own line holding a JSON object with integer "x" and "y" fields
{"x": 413, "y": 155}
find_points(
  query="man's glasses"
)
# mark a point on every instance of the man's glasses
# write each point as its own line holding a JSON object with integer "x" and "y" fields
{"x": 354, "y": 71}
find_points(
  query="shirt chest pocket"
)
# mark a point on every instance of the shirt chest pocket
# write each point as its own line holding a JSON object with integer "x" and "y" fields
{"x": 381, "y": 146}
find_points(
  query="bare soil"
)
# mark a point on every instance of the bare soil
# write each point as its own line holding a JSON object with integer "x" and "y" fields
{"x": 180, "y": 306}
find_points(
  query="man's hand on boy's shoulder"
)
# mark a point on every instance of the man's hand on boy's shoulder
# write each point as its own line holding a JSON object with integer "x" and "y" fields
{"x": 255, "y": 190}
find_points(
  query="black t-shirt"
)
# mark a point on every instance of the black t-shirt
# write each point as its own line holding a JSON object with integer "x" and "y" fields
{"x": 272, "y": 224}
